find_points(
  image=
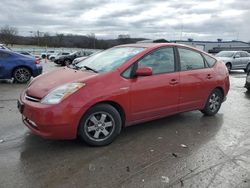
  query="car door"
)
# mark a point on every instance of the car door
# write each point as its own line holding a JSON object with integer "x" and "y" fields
{"x": 156, "y": 95}
{"x": 244, "y": 59}
{"x": 196, "y": 79}
{"x": 236, "y": 64}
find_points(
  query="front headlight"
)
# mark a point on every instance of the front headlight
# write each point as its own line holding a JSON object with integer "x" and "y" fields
{"x": 60, "y": 93}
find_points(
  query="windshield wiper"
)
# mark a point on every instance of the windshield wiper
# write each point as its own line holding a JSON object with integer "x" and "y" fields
{"x": 89, "y": 68}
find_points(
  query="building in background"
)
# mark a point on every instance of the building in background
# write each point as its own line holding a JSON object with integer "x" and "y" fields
{"x": 216, "y": 46}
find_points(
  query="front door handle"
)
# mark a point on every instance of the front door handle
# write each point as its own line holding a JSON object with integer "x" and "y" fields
{"x": 173, "y": 82}
{"x": 209, "y": 76}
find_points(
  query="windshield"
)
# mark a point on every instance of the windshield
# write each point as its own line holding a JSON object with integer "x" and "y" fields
{"x": 225, "y": 54}
{"x": 110, "y": 59}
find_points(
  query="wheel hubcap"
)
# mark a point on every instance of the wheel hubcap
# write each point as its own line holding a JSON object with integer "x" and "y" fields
{"x": 22, "y": 75}
{"x": 214, "y": 102}
{"x": 99, "y": 126}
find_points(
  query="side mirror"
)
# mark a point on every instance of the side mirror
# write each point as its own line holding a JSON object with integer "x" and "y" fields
{"x": 144, "y": 71}
{"x": 237, "y": 56}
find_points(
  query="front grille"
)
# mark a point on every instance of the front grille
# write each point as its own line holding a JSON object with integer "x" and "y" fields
{"x": 31, "y": 98}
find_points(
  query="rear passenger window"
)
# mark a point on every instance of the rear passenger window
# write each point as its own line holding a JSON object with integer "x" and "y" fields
{"x": 210, "y": 61}
{"x": 243, "y": 54}
{"x": 190, "y": 60}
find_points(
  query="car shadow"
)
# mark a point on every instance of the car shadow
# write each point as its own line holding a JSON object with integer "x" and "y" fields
{"x": 247, "y": 94}
{"x": 174, "y": 130}
{"x": 137, "y": 145}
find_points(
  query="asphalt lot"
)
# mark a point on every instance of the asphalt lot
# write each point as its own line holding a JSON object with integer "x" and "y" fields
{"x": 217, "y": 152}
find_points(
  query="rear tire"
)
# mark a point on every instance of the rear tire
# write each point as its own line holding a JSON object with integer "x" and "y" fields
{"x": 100, "y": 125}
{"x": 247, "y": 68}
{"x": 21, "y": 75}
{"x": 213, "y": 103}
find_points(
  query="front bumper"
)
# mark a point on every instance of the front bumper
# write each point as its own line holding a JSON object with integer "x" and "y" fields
{"x": 58, "y": 122}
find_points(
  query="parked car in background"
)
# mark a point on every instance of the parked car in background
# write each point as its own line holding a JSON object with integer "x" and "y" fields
{"x": 28, "y": 54}
{"x": 235, "y": 60}
{"x": 2, "y": 46}
{"x": 79, "y": 59}
{"x": 25, "y": 53}
{"x": 247, "y": 85}
{"x": 68, "y": 59}
{"x": 18, "y": 66}
{"x": 47, "y": 54}
{"x": 53, "y": 56}
{"x": 122, "y": 86}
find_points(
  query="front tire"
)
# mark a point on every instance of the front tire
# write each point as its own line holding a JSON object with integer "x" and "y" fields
{"x": 213, "y": 103}
{"x": 100, "y": 125}
{"x": 229, "y": 67}
{"x": 21, "y": 75}
{"x": 247, "y": 68}
{"x": 67, "y": 62}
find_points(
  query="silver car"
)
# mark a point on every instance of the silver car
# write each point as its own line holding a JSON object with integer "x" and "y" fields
{"x": 235, "y": 60}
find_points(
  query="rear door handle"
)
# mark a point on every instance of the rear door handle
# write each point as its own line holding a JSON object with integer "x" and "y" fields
{"x": 173, "y": 82}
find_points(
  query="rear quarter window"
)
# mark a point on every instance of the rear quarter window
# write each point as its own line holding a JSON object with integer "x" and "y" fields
{"x": 210, "y": 61}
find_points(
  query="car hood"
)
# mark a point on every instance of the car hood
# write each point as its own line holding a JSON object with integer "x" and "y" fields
{"x": 224, "y": 59}
{"x": 41, "y": 85}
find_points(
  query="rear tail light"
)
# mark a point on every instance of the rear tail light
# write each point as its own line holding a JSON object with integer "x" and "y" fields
{"x": 36, "y": 61}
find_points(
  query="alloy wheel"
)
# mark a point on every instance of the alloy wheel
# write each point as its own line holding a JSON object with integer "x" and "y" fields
{"x": 22, "y": 75}
{"x": 99, "y": 126}
{"x": 214, "y": 102}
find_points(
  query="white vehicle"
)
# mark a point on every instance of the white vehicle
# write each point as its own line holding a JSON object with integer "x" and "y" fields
{"x": 235, "y": 60}
{"x": 47, "y": 54}
{"x": 78, "y": 59}
{"x": 53, "y": 56}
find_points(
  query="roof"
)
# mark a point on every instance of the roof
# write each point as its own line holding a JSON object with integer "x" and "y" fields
{"x": 156, "y": 45}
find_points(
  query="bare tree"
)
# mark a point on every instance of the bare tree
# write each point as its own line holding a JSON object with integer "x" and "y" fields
{"x": 92, "y": 40}
{"x": 123, "y": 39}
{"x": 46, "y": 39}
{"x": 60, "y": 39}
{"x": 8, "y": 35}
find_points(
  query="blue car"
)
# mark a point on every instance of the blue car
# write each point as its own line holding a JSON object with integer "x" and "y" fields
{"x": 18, "y": 66}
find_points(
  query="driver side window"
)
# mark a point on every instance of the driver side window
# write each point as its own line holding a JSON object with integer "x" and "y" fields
{"x": 161, "y": 61}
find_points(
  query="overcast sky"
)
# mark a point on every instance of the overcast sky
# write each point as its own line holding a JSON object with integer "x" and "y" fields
{"x": 169, "y": 19}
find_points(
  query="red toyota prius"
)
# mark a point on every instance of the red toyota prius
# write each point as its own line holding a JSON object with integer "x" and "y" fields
{"x": 122, "y": 86}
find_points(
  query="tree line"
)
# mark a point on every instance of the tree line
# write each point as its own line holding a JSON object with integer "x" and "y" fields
{"x": 9, "y": 36}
